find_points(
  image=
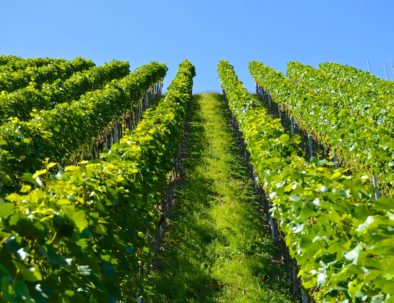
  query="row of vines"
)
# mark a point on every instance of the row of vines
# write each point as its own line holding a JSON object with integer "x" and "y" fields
{"x": 84, "y": 232}
{"x": 340, "y": 236}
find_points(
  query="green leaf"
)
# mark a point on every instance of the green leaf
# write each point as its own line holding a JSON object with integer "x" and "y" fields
{"x": 6, "y": 209}
{"x": 21, "y": 289}
{"x": 288, "y": 188}
{"x": 50, "y": 165}
{"x": 39, "y": 173}
{"x": 71, "y": 168}
{"x": 294, "y": 198}
{"x": 362, "y": 227}
{"x": 83, "y": 244}
{"x": 354, "y": 253}
{"x": 4, "y": 177}
{"x": 27, "y": 177}
{"x": 385, "y": 203}
{"x": 31, "y": 274}
{"x": 27, "y": 140}
{"x": 78, "y": 217}
{"x": 100, "y": 229}
{"x": 25, "y": 188}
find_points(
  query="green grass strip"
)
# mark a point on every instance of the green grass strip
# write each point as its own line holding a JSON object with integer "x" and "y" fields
{"x": 216, "y": 248}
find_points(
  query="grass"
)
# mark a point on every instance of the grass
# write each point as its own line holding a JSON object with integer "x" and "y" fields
{"x": 216, "y": 247}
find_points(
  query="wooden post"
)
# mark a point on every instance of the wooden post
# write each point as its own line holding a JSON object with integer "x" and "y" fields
{"x": 279, "y": 112}
{"x": 335, "y": 160}
{"x": 310, "y": 145}
{"x": 139, "y": 110}
{"x": 108, "y": 140}
{"x": 273, "y": 228}
{"x": 375, "y": 185}
{"x": 116, "y": 132}
{"x": 292, "y": 128}
{"x": 120, "y": 130}
{"x": 93, "y": 152}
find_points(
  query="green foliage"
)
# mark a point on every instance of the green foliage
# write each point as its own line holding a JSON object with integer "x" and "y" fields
{"x": 86, "y": 235}
{"x": 12, "y": 80}
{"x": 338, "y": 234}
{"x": 13, "y": 63}
{"x": 355, "y": 121}
{"x": 56, "y": 133}
{"x": 20, "y": 103}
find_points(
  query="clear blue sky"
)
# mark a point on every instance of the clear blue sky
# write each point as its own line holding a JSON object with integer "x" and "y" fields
{"x": 274, "y": 32}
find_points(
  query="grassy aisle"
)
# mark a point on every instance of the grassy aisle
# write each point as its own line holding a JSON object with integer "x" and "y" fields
{"x": 216, "y": 247}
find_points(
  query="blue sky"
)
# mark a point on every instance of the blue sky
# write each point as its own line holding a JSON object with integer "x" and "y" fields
{"x": 274, "y": 32}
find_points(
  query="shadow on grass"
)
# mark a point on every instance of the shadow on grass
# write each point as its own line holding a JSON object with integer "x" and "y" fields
{"x": 184, "y": 275}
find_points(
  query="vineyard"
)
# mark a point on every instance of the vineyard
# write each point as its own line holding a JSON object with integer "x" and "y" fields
{"x": 113, "y": 191}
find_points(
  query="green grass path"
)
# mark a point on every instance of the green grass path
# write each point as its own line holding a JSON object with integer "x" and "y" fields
{"x": 216, "y": 247}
